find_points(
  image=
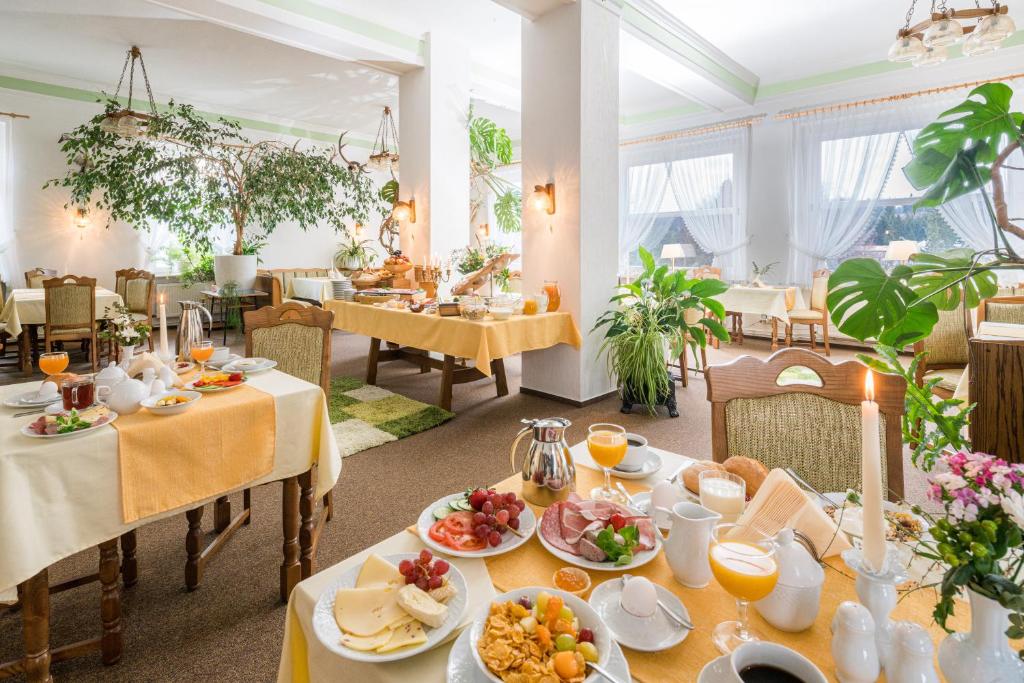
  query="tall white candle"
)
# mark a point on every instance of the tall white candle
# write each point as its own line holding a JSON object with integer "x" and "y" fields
{"x": 164, "y": 352}
{"x": 871, "y": 477}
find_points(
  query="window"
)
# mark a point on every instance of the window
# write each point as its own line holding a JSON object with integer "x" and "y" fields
{"x": 513, "y": 173}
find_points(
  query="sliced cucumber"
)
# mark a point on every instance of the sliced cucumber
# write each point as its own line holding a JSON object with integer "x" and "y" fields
{"x": 454, "y": 505}
{"x": 464, "y": 505}
{"x": 441, "y": 512}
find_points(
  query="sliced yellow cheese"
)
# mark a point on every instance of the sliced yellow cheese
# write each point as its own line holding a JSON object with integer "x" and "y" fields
{"x": 377, "y": 571}
{"x": 404, "y": 636}
{"x": 401, "y": 621}
{"x": 366, "y": 611}
{"x": 366, "y": 643}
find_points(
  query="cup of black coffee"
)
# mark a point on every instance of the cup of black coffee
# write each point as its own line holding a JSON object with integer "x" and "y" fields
{"x": 636, "y": 453}
{"x": 763, "y": 662}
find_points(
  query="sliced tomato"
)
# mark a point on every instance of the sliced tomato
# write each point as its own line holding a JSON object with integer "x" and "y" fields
{"x": 437, "y": 532}
{"x": 466, "y": 542}
{"x": 459, "y": 523}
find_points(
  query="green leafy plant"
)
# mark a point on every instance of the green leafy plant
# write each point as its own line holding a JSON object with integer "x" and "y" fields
{"x": 650, "y": 315}
{"x": 489, "y": 148}
{"x": 194, "y": 264}
{"x": 353, "y": 248}
{"x": 197, "y": 175}
{"x": 471, "y": 259}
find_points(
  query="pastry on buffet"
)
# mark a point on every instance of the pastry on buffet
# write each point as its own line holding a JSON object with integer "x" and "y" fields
{"x": 753, "y": 472}
{"x": 691, "y": 475}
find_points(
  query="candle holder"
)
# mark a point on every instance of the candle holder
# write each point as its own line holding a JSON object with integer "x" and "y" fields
{"x": 877, "y": 592}
{"x": 429, "y": 276}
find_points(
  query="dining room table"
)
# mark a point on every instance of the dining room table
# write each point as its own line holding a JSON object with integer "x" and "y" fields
{"x": 65, "y": 494}
{"x": 25, "y": 310}
{"x": 305, "y": 658}
{"x": 318, "y": 289}
{"x": 775, "y": 303}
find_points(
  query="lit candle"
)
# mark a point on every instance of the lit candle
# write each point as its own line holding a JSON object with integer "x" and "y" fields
{"x": 871, "y": 477}
{"x": 162, "y": 310}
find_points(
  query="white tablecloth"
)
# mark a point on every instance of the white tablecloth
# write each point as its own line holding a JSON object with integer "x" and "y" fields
{"x": 428, "y": 667}
{"x": 769, "y": 301}
{"x": 987, "y": 330}
{"x": 28, "y": 307}
{"x": 61, "y": 496}
{"x": 314, "y": 288}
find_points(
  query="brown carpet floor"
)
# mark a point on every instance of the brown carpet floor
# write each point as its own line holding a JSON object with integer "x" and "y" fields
{"x": 231, "y": 628}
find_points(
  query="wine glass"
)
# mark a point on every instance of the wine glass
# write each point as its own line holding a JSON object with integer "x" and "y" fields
{"x": 607, "y": 445}
{"x": 53, "y": 363}
{"x": 743, "y": 562}
{"x": 201, "y": 352}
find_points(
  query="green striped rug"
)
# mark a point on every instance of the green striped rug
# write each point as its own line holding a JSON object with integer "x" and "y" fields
{"x": 364, "y": 416}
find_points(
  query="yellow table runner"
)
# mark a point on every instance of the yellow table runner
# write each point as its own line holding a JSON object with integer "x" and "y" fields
{"x": 482, "y": 341}
{"x": 223, "y": 441}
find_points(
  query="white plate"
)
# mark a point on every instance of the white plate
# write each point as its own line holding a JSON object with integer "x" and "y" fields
{"x": 646, "y": 634}
{"x": 584, "y": 612}
{"x": 639, "y": 558}
{"x": 22, "y": 400}
{"x": 650, "y": 466}
{"x": 853, "y": 520}
{"x": 32, "y": 435}
{"x": 231, "y": 357}
{"x": 183, "y": 369}
{"x": 249, "y": 365}
{"x": 329, "y": 635}
{"x": 150, "y": 403}
{"x": 191, "y": 386}
{"x": 509, "y": 540}
{"x": 462, "y": 667}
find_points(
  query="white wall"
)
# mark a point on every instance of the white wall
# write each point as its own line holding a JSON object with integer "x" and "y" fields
{"x": 45, "y": 233}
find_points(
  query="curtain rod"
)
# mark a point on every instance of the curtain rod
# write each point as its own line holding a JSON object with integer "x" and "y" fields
{"x": 13, "y": 115}
{"x": 783, "y": 116}
{"x": 700, "y": 130}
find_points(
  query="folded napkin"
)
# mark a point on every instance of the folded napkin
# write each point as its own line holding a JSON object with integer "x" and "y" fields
{"x": 143, "y": 361}
{"x": 781, "y": 503}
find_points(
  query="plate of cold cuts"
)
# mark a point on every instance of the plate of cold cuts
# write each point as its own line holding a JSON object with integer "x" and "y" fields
{"x": 598, "y": 535}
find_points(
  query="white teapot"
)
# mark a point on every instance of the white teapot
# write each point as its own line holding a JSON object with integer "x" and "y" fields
{"x": 110, "y": 376}
{"x": 126, "y": 397}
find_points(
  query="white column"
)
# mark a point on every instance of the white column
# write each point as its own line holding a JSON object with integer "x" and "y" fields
{"x": 434, "y": 143}
{"x": 570, "y": 138}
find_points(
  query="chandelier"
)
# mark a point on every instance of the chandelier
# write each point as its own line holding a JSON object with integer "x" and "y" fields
{"x": 928, "y": 42}
{"x": 125, "y": 121}
{"x": 384, "y": 155}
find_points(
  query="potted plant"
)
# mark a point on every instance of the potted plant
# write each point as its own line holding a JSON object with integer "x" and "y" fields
{"x": 198, "y": 176}
{"x": 126, "y": 331}
{"x": 650, "y": 316}
{"x": 490, "y": 147}
{"x": 353, "y": 254}
{"x": 762, "y": 272}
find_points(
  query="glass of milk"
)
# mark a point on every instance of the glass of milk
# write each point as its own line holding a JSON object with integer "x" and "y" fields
{"x": 724, "y": 493}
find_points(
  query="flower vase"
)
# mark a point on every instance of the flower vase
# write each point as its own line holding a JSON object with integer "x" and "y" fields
{"x": 983, "y": 654}
{"x": 127, "y": 353}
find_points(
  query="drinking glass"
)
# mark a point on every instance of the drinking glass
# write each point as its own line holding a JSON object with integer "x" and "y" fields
{"x": 607, "y": 445}
{"x": 201, "y": 352}
{"x": 78, "y": 393}
{"x": 53, "y": 363}
{"x": 724, "y": 493}
{"x": 743, "y": 562}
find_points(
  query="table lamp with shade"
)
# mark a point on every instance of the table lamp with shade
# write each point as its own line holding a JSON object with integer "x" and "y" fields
{"x": 901, "y": 250}
{"x": 674, "y": 251}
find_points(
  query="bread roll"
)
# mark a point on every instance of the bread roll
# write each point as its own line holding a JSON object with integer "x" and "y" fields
{"x": 691, "y": 475}
{"x": 749, "y": 470}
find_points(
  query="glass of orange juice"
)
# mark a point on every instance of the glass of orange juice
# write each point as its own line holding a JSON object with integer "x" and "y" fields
{"x": 53, "y": 363}
{"x": 201, "y": 352}
{"x": 607, "y": 445}
{"x": 743, "y": 562}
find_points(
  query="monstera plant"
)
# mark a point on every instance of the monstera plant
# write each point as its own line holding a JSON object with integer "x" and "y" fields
{"x": 964, "y": 151}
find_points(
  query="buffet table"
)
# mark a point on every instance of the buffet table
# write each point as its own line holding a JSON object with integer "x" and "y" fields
{"x": 310, "y": 289}
{"x": 486, "y": 342}
{"x": 774, "y": 302}
{"x": 303, "y": 658}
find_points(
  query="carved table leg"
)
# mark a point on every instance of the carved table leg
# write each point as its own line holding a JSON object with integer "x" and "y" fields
{"x": 775, "y": 333}
{"x": 307, "y": 504}
{"x": 110, "y": 603}
{"x": 35, "y": 617}
{"x": 447, "y": 376}
{"x": 291, "y": 571}
{"x": 194, "y": 548}
{"x": 221, "y": 514}
{"x": 129, "y": 565}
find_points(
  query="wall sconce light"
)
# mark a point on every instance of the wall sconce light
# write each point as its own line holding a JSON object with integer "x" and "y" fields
{"x": 544, "y": 198}
{"x": 81, "y": 218}
{"x": 357, "y": 229}
{"x": 405, "y": 211}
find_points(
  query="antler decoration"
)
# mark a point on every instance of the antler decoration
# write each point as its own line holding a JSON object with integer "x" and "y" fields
{"x": 352, "y": 165}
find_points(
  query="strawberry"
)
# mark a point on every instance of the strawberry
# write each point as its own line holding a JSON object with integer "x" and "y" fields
{"x": 235, "y": 377}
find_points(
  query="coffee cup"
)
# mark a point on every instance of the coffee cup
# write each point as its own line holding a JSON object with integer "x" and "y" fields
{"x": 636, "y": 453}
{"x": 220, "y": 354}
{"x": 766, "y": 662}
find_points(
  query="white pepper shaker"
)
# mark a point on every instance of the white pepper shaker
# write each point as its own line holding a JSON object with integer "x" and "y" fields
{"x": 914, "y": 655}
{"x": 854, "y": 650}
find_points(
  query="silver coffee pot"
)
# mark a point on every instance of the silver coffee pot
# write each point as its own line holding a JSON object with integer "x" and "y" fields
{"x": 549, "y": 474}
{"x": 190, "y": 328}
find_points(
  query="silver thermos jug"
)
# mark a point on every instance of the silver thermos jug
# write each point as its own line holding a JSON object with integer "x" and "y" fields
{"x": 190, "y": 328}
{"x": 549, "y": 474}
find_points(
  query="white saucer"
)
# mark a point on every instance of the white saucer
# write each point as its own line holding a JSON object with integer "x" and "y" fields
{"x": 462, "y": 667}
{"x": 643, "y": 502}
{"x": 30, "y": 399}
{"x": 250, "y": 366}
{"x": 218, "y": 364}
{"x": 715, "y": 671}
{"x": 651, "y": 465}
{"x": 645, "y": 634}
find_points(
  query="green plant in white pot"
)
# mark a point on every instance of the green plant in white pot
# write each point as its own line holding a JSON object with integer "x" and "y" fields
{"x": 353, "y": 253}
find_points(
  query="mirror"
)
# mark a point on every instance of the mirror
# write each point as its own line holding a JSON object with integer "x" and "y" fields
{"x": 799, "y": 374}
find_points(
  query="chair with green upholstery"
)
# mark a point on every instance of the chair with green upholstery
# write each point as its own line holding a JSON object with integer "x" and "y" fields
{"x": 1002, "y": 309}
{"x": 70, "y": 303}
{"x": 137, "y": 289}
{"x": 947, "y": 351}
{"x": 797, "y": 409}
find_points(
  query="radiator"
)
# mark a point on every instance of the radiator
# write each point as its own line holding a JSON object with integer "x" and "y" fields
{"x": 174, "y": 291}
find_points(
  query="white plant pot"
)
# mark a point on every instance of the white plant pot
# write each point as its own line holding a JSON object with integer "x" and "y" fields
{"x": 983, "y": 654}
{"x": 230, "y": 268}
{"x": 348, "y": 263}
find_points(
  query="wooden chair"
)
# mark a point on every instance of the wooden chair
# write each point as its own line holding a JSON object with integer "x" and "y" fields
{"x": 71, "y": 312}
{"x": 692, "y": 316}
{"x": 817, "y": 314}
{"x": 947, "y": 349}
{"x": 1002, "y": 309}
{"x": 298, "y": 337}
{"x": 797, "y": 409}
{"x": 733, "y": 317}
{"x": 34, "y": 278}
{"x": 137, "y": 289}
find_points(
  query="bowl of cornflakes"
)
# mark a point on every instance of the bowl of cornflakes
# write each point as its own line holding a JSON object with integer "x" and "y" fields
{"x": 535, "y": 635}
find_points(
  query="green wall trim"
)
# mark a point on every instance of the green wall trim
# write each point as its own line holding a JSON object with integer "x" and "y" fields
{"x": 651, "y": 116}
{"x": 349, "y": 22}
{"x": 82, "y": 95}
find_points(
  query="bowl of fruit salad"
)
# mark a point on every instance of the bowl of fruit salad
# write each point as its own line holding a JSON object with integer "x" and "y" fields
{"x": 171, "y": 402}
{"x": 534, "y": 632}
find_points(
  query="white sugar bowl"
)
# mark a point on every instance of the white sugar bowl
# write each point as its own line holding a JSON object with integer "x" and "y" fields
{"x": 793, "y": 604}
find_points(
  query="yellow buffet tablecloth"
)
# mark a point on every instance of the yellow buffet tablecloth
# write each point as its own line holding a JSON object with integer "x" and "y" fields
{"x": 28, "y": 307}
{"x": 774, "y": 302}
{"x": 61, "y": 496}
{"x": 304, "y": 659}
{"x": 481, "y": 341}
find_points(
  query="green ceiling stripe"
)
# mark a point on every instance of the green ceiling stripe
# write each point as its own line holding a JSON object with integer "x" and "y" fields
{"x": 349, "y": 22}
{"x": 81, "y": 95}
{"x": 651, "y": 116}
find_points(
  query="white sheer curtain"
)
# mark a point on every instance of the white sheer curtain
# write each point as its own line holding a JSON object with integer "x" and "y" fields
{"x": 8, "y": 245}
{"x": 708, "y": 178}
{"x": 641, "y": 192}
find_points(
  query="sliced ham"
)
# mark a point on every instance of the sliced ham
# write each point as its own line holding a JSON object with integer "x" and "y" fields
{"x": 574, "y": 523}
{"x": 591, "y": 552}
{"x": 551, "y": 528}
{"x": 645, "y": 528}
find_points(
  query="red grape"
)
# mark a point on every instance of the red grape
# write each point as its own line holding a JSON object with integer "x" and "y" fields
{"x": 435, "y": 582}
{"x": 502, "y": 516}
{"x": 585, "y": 636}
{"x": 422, "y": 584}
{"x": 526, "y": 602}
{"x": 521, "y": 504}
{"x": 441, "y": 567}
{"x": 479, "y": 518}
{"x": 487, "y": 508}
{"x": 513, "y": 512}
{"x": 510, "y": 498}
{"x": 492, "y": 520}
{"x": 494, "y": 539}
{"x": 514, "y": 523}
{"x": 405, "y": 567}
{"x": 482, "y": 531}
{"x": 426, "y": 556}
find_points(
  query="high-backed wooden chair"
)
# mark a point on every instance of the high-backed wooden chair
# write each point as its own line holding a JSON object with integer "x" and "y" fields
{"x": 692, "y": 317}
{"x": 1002, "y": 309}
{"x": 797, "y": 409}
{"x": 817, "y": 314}
{"x": 34, "y": 278}
{"x": 71, "y": 312}
{"x": 947, "y": 349}
{"x": 137, "y": 289}
{"x": 298, "y": 338}
{"x": 733, "y": 317}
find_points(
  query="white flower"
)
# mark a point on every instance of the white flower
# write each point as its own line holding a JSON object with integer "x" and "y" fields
{"x": 1013, "y": 505}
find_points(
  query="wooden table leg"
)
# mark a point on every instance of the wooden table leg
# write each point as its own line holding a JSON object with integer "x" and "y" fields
{"x": 129, "y": 565}
{"x": 447, "y": 374}
{"x": 307, "y": 504}
{"x": 371, "y": 361}
{"x": 110, "y": 603}
{"x": 775, "y": 333}
{"x": 221, "y": 514}
{"x": 498, "y": 370}
{"x": 35, "y": 618}
{"x": 291, "y": 571}
{"x": 193, "y": 548}
{"x": 25, "y": 351}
